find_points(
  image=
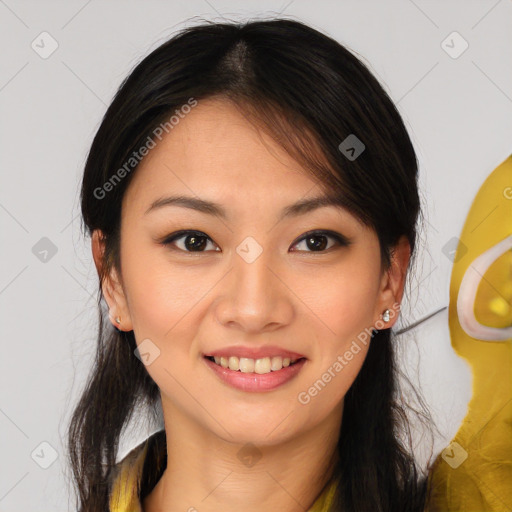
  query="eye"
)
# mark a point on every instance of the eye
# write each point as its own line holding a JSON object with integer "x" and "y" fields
{"x": 318, "y": 241}
{"x": 190, "y": 241}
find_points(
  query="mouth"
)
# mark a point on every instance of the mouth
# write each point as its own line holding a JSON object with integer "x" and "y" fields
{"x": 255, "y": 375}
{"x": 259, "y": 366}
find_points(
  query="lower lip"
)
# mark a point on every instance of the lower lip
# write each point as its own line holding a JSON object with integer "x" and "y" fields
{"x": 254, "y": 381}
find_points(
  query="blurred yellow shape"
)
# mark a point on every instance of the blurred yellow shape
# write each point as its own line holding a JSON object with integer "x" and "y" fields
{"x": 480, "y": 333}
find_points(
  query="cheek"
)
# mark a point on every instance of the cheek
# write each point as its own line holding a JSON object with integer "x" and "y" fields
{"x": 343, "y": 300}
{"x": 164, "y": 305}
{"x": 333, "y": 373}
{"x": 161, "y": 294}
{"x": 343, "y": 304}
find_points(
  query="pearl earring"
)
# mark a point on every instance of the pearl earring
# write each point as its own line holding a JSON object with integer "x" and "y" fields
{"x": 385, "y": 316}
{"x": 118, "y": 320}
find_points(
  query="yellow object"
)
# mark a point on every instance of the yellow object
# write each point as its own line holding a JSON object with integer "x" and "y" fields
{"x": 474, "y": 473}
{"x": 124, "y": 496}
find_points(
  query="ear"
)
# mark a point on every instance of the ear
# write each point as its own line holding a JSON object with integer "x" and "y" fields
{"x": 111, "y": 286}
{"x": 393, "y": 282}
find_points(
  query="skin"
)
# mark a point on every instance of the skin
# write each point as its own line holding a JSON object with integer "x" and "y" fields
{"x": 188, "y": 304}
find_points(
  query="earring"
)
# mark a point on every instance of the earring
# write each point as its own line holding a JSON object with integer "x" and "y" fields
{"x": 118, "y": 320}
{"x": 385, "y": 316}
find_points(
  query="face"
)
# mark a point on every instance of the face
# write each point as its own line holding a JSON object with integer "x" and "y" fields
{"x": 244, "y": 278}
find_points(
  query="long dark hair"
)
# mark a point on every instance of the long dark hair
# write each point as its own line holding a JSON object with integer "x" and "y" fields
{"x": 310, "y": 93}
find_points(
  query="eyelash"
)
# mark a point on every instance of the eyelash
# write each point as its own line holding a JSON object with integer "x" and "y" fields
{"x": 341, "y": 240}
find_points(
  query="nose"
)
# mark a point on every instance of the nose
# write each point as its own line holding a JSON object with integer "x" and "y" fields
{"x": 254, "y": 297}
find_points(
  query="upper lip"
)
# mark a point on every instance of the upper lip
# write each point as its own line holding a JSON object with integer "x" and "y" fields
{"x": 253, "y": 352}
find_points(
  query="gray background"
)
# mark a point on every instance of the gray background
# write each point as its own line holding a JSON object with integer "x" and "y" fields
{"x": 457, "y": 110}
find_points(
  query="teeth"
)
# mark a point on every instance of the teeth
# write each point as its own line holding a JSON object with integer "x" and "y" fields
{"x": 260, "y": 366}
{"x": 247, "y": 365}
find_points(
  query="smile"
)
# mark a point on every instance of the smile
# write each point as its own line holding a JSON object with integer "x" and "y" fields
{"x": 254, "y": 375}
{"x": 248, "y": 365}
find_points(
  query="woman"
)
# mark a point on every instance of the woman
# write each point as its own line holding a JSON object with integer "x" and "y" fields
{"x": 252, "y": 200}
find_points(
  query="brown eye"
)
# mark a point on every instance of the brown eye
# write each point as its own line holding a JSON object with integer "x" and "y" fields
{"x": 318, "y": 241}
{"x": 195, "y": 242}
{"x": 190, "y": 241}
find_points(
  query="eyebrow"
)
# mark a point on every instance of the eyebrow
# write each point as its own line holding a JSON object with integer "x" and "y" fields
{"x": 299, "y": 208}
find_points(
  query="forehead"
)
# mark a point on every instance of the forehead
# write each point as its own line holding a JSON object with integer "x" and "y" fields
{"x": 215, "y": 151}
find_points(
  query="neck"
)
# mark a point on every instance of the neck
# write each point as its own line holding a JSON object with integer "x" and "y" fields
{"x": 207, "y": 473}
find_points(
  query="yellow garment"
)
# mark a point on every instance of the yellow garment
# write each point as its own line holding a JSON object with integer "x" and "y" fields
{"x": 474, "y": 473}
{"x": 124, "y": 496}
